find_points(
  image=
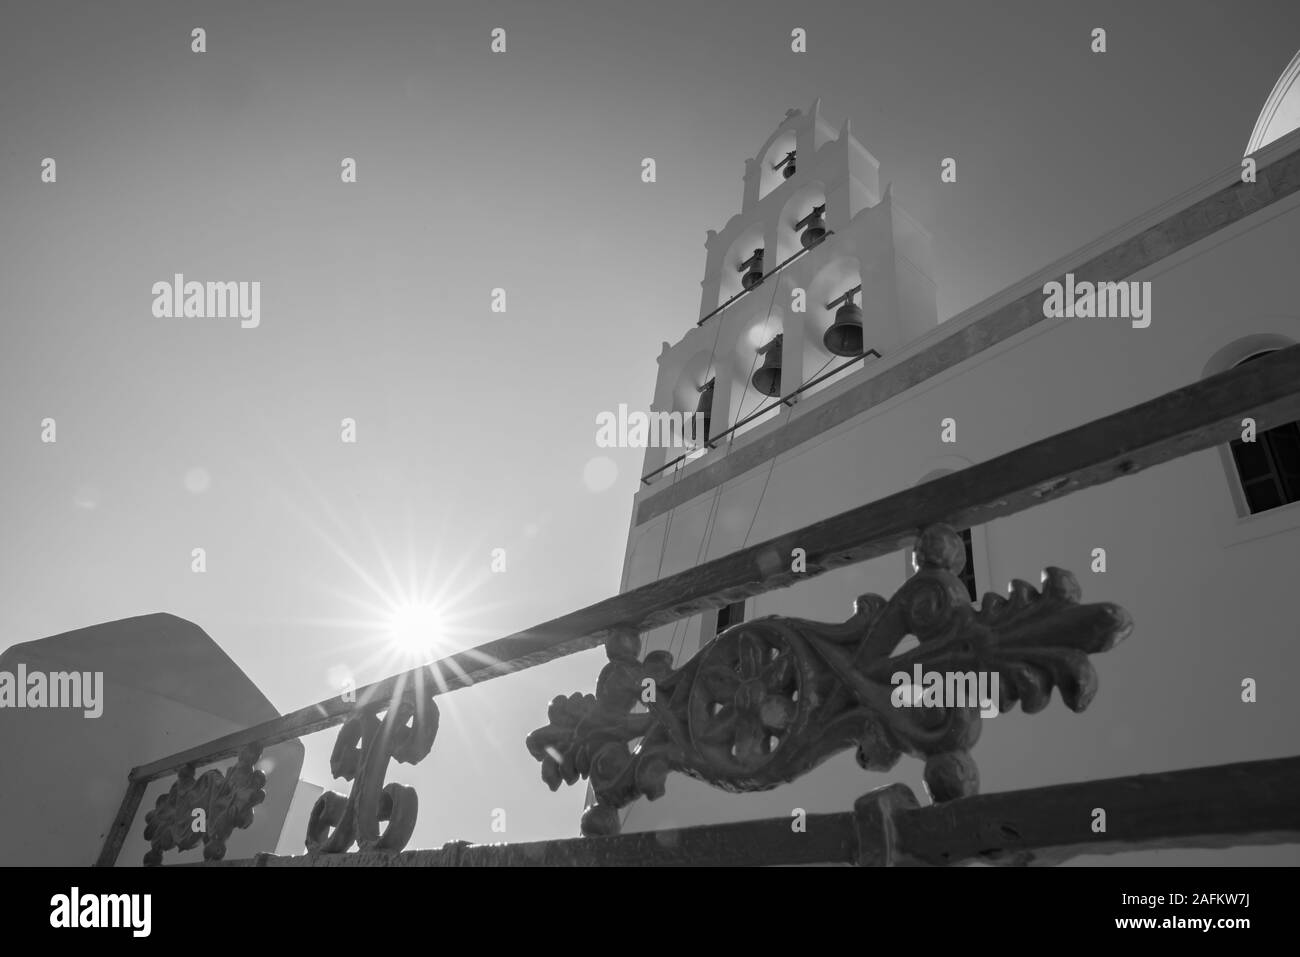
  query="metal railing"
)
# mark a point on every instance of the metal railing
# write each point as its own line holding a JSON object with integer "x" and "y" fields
{"x": 1236, "y": 803}
{"x": 713, "y": 440}
{"x": 1265, "y": 796}
{"x": 766, "y": 276}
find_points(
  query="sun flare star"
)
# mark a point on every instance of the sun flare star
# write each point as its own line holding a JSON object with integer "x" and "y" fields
{"x": 417, "y": 628}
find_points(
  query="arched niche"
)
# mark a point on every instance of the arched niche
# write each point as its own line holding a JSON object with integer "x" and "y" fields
{"x": 831, "y": 281}
{"x": 758, "y": 330}
{"x": 698, "y": 371}
{"x": 695, "y": 372}
{"x": 796, "y": 208}
{"x": 729, "y": 283}
{"x": 769, "y": 178}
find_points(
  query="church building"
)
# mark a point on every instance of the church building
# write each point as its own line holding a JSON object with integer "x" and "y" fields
{"x": 827, "y": 381}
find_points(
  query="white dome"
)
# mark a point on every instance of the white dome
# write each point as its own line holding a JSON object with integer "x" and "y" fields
{"x": 1281, "y": 113}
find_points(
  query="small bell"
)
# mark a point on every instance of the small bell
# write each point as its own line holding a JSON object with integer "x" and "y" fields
{"x": 844, "y": 337}
{"x": 767, "y": 379}
{"x": 815, "y": 231}
{"x": 705, "y": 410}
{"x": 788, "y": 170}
{"x": 753, "y": 267}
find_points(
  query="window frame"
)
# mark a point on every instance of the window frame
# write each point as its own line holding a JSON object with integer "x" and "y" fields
{"x": 1240, "y": 483}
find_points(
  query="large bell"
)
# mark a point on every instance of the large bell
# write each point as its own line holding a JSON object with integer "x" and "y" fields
{"x": 705, "y": 409}
{"x": 767, "y": 379}
{"x": 844, "y": 337}
{"x": 814, "y": 232}
{"x": 788, "y": 169}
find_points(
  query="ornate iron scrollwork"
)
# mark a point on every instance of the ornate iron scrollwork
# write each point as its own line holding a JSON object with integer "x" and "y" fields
{"x": 361, "y": 754}
{"x": 770, "y": 699}
{"x": 226, "y": 801}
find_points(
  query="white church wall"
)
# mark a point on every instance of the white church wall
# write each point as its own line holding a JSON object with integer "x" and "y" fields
{"x": 1206, "y": 587}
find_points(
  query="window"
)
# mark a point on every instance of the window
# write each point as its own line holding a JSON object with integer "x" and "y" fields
{"x": 1269, "y": 467}
{"x": 730, "y": 615}
{"x": 967, "y": 575}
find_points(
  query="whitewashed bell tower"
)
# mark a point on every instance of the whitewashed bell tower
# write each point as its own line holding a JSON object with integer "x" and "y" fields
{"x": 768, "y": 275}
{"x": 820, "y": 275}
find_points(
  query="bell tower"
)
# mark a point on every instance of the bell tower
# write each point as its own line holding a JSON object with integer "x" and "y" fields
{"x": 819, "y": 266}
{"x": 818, "y": 279}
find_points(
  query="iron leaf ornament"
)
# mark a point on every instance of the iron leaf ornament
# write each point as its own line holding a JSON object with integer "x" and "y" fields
{"x": 769, "y": 699}
{"x": 206, "y": 808}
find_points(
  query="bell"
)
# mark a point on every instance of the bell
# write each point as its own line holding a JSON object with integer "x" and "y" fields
{"x": 844, "y": 337}
{"x": 788, "y": 169}
{"x": 705, "y": 409}
{"x": 814, "y": 232}
{"x": 754, "y": 274}
{"x": 767, "y": 379}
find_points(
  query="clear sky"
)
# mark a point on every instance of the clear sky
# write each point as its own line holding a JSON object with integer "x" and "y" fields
{"x": 520, "y": 170}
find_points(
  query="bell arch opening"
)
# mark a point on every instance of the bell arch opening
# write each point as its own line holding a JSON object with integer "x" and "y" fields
{"x": 769, "y": 175}
{"x": 732, "y": 280}
{"x": 693, "y": 399}
{"x": 759, "y": 354}
{"x": 789, "y": 239}
{"x": 829, "y": 286}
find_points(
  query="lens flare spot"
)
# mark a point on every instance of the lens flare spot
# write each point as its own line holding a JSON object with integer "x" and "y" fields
{"x": 599, "y": 474}
{"x": 197, "y": 481}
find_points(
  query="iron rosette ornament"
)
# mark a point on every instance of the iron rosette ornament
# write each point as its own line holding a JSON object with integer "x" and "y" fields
{"x": 768, "y": 700}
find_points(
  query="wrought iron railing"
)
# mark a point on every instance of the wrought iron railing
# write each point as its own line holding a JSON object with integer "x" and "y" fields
{"x": 1237, "y": 804}
{"x": 770, "y": 698}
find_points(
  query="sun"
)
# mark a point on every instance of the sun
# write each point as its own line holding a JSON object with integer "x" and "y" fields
{"x": 402, "y": 615}
{"x": 416, "y": 628}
